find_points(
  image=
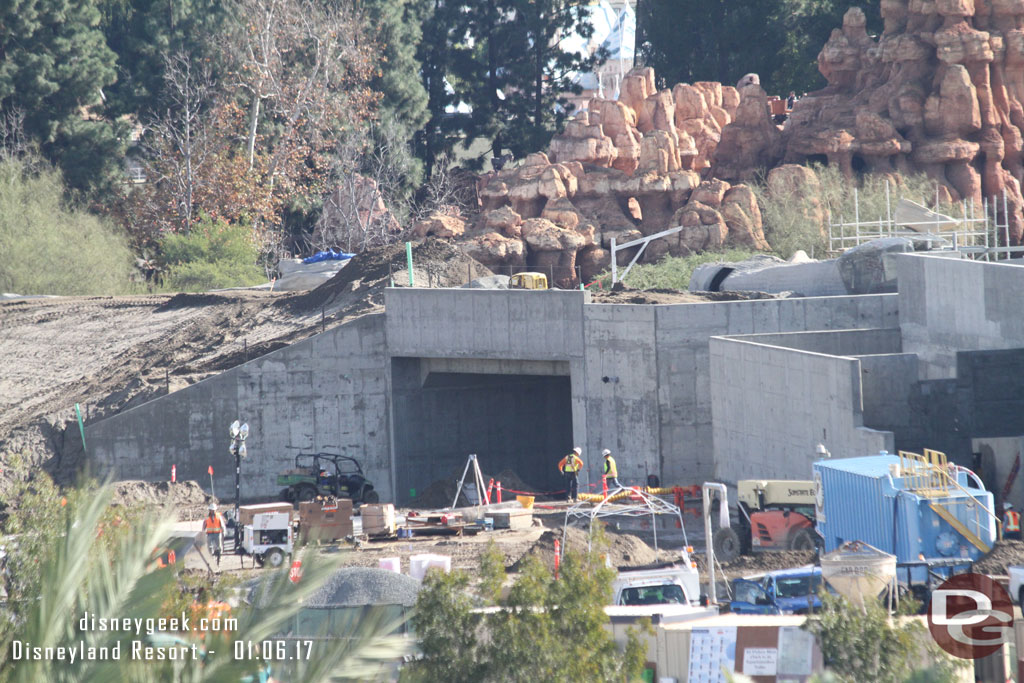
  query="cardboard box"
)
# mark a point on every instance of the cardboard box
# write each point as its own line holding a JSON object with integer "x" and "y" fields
{"x": 246, "y": 512}
{"x": 378, "y": 519}
{"x": 512, "y": 519}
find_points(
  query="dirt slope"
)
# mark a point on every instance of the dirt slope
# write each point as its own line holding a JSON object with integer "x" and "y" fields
{"x": 112, "y": 353}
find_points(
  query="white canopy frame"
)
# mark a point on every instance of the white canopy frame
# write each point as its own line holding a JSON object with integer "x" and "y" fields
{"x": 638, "y": 503}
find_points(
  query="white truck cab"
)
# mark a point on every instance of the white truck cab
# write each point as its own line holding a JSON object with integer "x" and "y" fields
{"x": 679, "y": 584}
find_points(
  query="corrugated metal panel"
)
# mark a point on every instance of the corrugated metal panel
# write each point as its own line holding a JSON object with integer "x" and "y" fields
{"x": 862, "y": 502}
{"x": 858, "y": 501}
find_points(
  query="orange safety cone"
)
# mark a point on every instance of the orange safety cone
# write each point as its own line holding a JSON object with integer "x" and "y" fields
{"x": 174, "y": 473}
{"x": 499, "y": 491}
{"x": 558, "y": 558}
{"x": 490, "y": 489}
{"x": 604, "y": 485}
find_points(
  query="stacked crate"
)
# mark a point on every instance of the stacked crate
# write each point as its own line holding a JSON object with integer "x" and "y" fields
{"x": 328, "y": 520}
{"x": 378, "y": 520}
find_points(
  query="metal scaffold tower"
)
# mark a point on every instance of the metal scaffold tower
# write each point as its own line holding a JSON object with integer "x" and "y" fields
{"x": 977, "y": 233}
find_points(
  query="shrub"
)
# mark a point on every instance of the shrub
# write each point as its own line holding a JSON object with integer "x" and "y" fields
{"x": 212, "y": 255}
{"x": 50, "y": 247}
{"x": 792, "y": 224}
{"x": 673, "y": 272}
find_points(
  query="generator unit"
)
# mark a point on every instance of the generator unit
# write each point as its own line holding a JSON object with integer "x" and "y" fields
{"x": 920, "y": 508}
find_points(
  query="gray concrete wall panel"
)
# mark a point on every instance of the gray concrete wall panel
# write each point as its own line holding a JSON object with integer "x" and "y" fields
{"x": 953, "y": 305}
{"x": 329, "y": 390}
{"x": 771, "y": 406}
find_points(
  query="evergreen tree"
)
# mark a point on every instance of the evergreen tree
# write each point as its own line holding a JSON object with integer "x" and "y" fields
{"x": 55, "y": 66}
{"x": 143, "y": 34}
{"x": 437, "y": 54}
{"x": 721, "y": 40}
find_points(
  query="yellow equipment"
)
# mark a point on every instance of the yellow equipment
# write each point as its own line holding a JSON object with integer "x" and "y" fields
{"x": 528, "y": 281}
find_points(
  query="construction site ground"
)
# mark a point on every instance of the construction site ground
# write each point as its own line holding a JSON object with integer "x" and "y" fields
{"x": 108, "y": 354}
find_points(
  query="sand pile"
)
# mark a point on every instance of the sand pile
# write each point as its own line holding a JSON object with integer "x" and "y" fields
{"x": 624, "y": 550}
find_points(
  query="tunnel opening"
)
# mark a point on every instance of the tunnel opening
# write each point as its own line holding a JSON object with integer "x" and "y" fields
{"x": 512, "y": 419}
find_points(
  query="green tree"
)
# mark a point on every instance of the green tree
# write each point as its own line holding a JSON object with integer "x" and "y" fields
{"x": 691, "y": 40}
{"x": 547, "y": 629}
{"x": 438, "y": 57}
{"x": 55, "y": 65}
{"x": 867, "y": 645}
{"x": 396, "y": 26}
{"x": 143, "y": 34}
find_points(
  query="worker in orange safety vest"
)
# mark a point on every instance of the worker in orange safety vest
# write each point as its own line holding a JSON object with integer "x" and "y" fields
{"x": 213, "y": 525}
{"x": 570, "y": 467}
{"x": 1011, "y": 522}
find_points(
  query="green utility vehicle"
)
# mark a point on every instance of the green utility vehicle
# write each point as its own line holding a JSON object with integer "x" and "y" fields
{"x": 326, "y": 474}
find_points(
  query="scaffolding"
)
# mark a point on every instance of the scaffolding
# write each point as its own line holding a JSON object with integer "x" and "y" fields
{"x": 974, "y": 234}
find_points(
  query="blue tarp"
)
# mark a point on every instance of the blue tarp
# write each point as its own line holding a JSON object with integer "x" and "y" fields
{"x": 329, "y": 255}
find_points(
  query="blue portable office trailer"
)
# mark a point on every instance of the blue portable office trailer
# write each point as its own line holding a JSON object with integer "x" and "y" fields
{"x": 868, "y": 499}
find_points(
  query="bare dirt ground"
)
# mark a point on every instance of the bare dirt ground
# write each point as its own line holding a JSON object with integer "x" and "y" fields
{"x": 626, "y": 295}
{"x": 109, "y": 354}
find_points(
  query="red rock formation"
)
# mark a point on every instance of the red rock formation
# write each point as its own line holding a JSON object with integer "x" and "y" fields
{"x": 940, "y": 91}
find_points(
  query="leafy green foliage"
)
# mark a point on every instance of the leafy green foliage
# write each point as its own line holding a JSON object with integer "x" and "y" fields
{"x": 866, "y": 645}
{"x": 213, "y": 255}
{"x": 544, "y": 630}
{"x": 672, "y": 272}
{"x": 50, "y": 247}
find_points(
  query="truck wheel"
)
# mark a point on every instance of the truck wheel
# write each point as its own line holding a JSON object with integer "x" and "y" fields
{"x": 304, "y": 493}
{"x": 726, "y": 543}
{"x": 804, "y": 539}
{"x": 274, "y": 557}
{"x": 371, "y": 497}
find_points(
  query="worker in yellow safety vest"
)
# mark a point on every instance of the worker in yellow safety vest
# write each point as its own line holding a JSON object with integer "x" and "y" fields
{"x": 611, "y": 472}
{"x": 570, "y": 467}
{"x": 213, "y": 525}
{"x": 1011, "y": 522}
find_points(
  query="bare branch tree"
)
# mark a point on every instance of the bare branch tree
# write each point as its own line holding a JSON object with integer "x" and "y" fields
{"x": 178, "y": 142}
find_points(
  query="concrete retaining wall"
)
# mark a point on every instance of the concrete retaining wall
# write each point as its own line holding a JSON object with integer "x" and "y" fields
{"x": 639, "y": 377}
{"x": 949, "y": 305}
{"x": 771, "y": 406}
{"x": 324, "y": 393}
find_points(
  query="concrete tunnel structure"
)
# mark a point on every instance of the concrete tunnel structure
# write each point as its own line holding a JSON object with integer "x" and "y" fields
{"x": 688, "y": 392}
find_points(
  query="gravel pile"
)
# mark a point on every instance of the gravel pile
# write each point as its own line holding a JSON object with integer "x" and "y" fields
{"x": 357, "y": 586}
{"x": 186, "y": 499}
{"x": 1002, "y": 555}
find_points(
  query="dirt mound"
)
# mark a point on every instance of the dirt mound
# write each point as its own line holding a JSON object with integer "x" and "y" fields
{"x": 758, "y": 563}
{"x": 624, "y": 550}
{"x": 628, "y": 295}
{"x": 1003, "y": 554}
{"x": 436, "y": 263}
{"x": 186, "y": 499}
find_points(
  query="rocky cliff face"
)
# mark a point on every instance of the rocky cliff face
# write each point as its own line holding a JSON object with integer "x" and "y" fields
{"x": 940, "y": 91}
{"x": 621, "y": 169}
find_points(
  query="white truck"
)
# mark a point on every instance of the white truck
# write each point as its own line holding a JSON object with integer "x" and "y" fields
{"x": 678, "y": 584}
{"x": 269, "y": 538}
{"x": 1016, "y": 588}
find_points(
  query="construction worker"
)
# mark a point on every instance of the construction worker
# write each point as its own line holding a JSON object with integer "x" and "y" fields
{"x": 611, "y": 472}
{"x": 1011, "y": 522}
{"x": 570, "y": 467}
{"x": 213, "y": 525}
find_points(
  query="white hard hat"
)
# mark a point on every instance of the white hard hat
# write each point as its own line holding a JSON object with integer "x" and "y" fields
{"x": 606, "y": 452}
{"x": 213, "y": 507}
{"x": 577, "y": 450}
{"x": 1007, "y": 506}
